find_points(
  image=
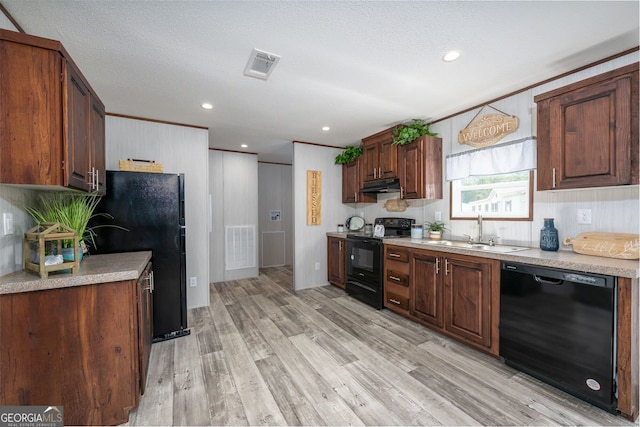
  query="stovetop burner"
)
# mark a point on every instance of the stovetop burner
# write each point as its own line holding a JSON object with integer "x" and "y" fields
{"x": 393, "y": 228}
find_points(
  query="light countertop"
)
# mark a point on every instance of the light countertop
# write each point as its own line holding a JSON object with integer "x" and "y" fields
{"x": 565, "y": 259}
{"x": 94, "y": 269}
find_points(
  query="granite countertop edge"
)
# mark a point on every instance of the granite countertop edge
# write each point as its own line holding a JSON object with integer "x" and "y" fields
{"x": 565, "y": 259}
{"x": 94, "y": 269}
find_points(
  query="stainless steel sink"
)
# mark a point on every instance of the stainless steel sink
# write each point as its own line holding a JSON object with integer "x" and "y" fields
{"x": 474, "y": 246}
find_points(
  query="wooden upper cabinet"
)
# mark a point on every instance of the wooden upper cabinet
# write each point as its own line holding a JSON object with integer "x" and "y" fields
{"x": 98, "y": 137}
{"x": 588, "y": 132}
{"x": 76, "y": 116}
{"x": 47, "y": 126}
{"x": 380, "y": 156}
{"x": 352, "y": 179}
{"x": 420, "y": 168}
{"x": 30, "y": 113}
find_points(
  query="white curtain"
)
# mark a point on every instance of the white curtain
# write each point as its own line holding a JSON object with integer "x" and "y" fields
{"x": 513, "y": 156}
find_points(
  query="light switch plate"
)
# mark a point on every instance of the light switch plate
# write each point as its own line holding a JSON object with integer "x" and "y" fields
{"x": 7, "y": 223}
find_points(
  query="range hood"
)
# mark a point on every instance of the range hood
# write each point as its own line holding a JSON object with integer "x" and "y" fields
{"x": 382, "y": 186}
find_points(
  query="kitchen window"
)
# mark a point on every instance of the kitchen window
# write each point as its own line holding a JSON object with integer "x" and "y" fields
{"x": 495, "y": 182}
{"x": 504, "y": 196}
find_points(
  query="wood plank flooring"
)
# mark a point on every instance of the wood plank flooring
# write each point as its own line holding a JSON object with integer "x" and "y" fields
{"x": 262, "y": 354}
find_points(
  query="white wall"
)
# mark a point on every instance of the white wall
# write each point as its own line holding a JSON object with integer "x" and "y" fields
{"x": 311, "y": 240}
{"x": 181, "y": 149}
{"x": 275, "y": 192}
{"x": 233, "y": 184}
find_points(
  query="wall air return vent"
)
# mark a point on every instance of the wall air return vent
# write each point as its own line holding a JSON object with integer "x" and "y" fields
{"x": 260, "y": 64}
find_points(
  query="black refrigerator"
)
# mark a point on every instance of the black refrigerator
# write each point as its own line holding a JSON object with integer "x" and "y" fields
{"x": 151, "y": 207}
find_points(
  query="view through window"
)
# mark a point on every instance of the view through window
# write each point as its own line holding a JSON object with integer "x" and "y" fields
{"x": 505, "y": 196}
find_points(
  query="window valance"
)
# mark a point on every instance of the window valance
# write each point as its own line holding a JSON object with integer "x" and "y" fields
{"x": 513, "y": 156}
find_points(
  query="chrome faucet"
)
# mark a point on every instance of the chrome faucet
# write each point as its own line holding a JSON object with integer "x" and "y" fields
{"x": 479, "y": 228}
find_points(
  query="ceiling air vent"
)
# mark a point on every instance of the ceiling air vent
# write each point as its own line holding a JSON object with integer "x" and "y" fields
{"x": 260, "y": 64}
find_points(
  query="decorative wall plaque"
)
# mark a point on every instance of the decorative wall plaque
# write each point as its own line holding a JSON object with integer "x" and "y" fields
{"x": 314, "y": 191}
{"x": 488, "y": 129}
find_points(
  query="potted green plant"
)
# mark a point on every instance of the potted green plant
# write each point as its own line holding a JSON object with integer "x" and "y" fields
{"x": 71, "y": 209}
{"x": 349, "y": 155}
{"x": 435, "y": 229}
{"x": 408, "y": 133}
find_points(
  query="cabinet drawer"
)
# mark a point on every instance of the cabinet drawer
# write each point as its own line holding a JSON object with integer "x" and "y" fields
{"x": 393, "y": 300}
{"x": 395, "y": 254}
{"x": 397, "y": 277}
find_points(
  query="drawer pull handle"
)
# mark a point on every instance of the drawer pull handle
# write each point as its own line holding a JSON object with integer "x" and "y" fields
{"x": 395, "y": 301}
{"x": 392, "y": 255}
{"x": 397, "y": 279}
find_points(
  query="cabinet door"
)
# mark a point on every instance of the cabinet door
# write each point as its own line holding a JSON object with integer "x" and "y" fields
{"x": 388, "y": 160}
{"x": 145, "y": 323}
{"x": 370, "y": 157}
{"x": 468, "y": 299}
{"x": 76, "y": 116}
{"x": 30, "y": 115}
{"x": 336, "y": 261}
{"x": 411, "y": 171}
{"x": 588, "y": 132}
{"x": 590, "y": 135}
{"x": 420, "y": 168}
{"x": 352, "y": 182}
{"x": 426, "y": 298}
{"x": 97, "y": 144}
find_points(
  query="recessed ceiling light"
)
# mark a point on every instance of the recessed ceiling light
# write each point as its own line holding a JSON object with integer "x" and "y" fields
{"x": 243, "y": 145}
{"x": 326, "y": 128}
{"x": 452, "y": 55}
{"x": 206, "y": 106}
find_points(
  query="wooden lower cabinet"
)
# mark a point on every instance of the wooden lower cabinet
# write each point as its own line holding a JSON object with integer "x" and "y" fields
{"x": 427, "y": 294}
{"x": 396, "y": 279}
{"x": 467, "y": 298}
{"x": 336, "y": 261}
{"x": 145, "y": 323}
{"x": 76, "y": 347}
{"x": 457, "y": 295}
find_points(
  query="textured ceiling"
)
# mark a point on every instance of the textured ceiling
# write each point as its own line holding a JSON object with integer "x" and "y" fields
{"x": 358, "y": 67}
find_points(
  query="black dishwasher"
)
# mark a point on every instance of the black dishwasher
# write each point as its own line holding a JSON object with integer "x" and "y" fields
{"x": 559, "y": 326}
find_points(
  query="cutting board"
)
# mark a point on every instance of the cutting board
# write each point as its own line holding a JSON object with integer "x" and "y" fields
{"x": 611, "y": 245}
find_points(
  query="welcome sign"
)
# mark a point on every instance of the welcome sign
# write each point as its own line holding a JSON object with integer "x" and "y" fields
{"x": 488, "y": 130}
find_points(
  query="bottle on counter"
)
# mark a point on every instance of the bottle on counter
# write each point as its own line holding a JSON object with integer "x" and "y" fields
{"x": 340, "y": 228}
{"x": 549, "y": 236}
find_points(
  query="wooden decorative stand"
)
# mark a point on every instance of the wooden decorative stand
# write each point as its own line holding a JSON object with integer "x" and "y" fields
{"x": 55, "y": 233}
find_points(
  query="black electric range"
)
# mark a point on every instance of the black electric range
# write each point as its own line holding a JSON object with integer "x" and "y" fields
{"x": 365, "y": 259}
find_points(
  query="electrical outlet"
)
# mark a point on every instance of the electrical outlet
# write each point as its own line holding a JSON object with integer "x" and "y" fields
{"x": 438, "y": 216}
{"x": 193, "y": 281}
{"x": 584, "y": 216}
{"x": 317, "y": 266}
{"x": 7, "y": 224}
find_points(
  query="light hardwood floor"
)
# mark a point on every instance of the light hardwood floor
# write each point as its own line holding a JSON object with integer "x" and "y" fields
{"x": 262, "y": 354}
